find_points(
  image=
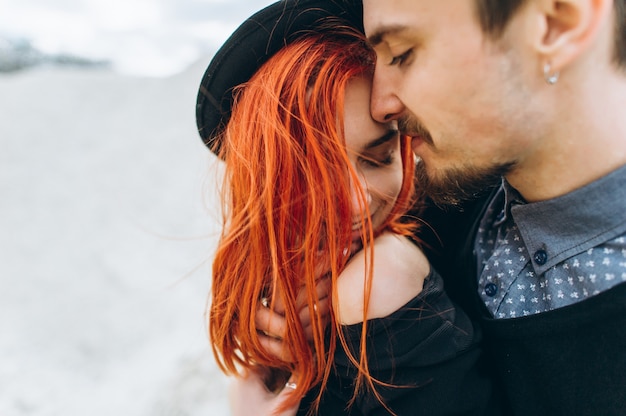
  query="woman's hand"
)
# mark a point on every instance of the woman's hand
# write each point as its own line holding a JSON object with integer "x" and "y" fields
{"x": 248, "y": 396}
{"x": 273, "y": 325}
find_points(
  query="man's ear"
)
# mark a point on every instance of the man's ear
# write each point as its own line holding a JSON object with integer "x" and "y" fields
{"x": 567, "y": 28}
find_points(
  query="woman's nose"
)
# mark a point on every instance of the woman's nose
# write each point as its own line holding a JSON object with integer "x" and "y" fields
{"x": 361, "y": 199}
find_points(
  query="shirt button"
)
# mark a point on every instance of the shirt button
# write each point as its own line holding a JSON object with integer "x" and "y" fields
{"x": 540, "y": 257}
{"x": 491, "y": 289}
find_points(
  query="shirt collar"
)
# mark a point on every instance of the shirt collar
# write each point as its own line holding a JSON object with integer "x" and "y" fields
{"x": 572, "y": 223}
{"x": 511, "y": 197}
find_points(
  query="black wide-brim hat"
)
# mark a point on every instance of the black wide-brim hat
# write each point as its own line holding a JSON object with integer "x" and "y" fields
{"x": 251, "y": 45}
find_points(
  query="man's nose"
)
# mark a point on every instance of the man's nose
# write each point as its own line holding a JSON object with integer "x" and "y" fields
{"x": 385, "y": 105}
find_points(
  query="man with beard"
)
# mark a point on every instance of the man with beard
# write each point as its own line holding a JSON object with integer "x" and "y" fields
{"x": 518, "y": 107}
{"x": 534, "y": 92}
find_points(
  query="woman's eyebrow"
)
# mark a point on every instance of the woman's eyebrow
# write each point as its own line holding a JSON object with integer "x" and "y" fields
{"x": 385, "y": 31}
{"x": 388, "y": 136}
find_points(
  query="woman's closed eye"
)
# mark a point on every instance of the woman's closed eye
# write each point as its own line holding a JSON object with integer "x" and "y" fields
{"x": 379, "y": 160}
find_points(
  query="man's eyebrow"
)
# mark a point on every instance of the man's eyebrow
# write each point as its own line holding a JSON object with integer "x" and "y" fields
{"x": 382, "y": 139}
{"x": 377, "y": 37}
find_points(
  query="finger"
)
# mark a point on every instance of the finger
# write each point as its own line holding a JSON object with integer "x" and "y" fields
{"x": 278, "y": 305}
{"x": 322, "y": 290}
{"x": 248, "y": 395}
{"x": 322, "y": 287}
{"x": 285, "y": 393}
{"x": 276, "y": 348}
{"x": 322, "y": 267}
{"x": 322, "y": 309}
{"x": 270, "y": 322}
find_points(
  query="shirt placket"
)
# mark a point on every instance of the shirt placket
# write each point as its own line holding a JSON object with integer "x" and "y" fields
{"x": 502, "y": 268}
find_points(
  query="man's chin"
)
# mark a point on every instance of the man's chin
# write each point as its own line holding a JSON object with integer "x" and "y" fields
{"x": 456, "y": 185}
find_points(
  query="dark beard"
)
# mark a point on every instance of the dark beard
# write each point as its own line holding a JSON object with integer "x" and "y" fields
{"x": 457, "y": 185}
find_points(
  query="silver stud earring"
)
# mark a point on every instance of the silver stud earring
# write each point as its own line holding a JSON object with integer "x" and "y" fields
{"x": 551, "y": 79}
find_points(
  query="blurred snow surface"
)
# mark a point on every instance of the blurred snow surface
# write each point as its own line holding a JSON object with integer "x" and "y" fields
{"x": 107, "y": 224}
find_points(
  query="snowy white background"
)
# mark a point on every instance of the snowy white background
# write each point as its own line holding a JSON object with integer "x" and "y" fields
{"x": 108, "y": 211}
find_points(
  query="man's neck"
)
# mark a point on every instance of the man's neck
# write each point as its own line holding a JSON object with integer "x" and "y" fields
{"x": 586, "y": 143}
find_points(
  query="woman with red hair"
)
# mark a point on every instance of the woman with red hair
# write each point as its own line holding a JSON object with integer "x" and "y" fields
{"x": 314, "y": 242}
{"x": 310, "y": 179}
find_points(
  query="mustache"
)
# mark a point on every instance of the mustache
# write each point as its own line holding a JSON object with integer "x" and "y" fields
{"x": 413, "y": 127}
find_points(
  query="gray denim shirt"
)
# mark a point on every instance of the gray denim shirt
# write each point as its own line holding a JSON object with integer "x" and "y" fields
{"x": 537, "y": 257}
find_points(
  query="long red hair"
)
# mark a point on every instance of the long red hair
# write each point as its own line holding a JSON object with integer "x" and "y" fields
{"x": 287, "y": 204}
